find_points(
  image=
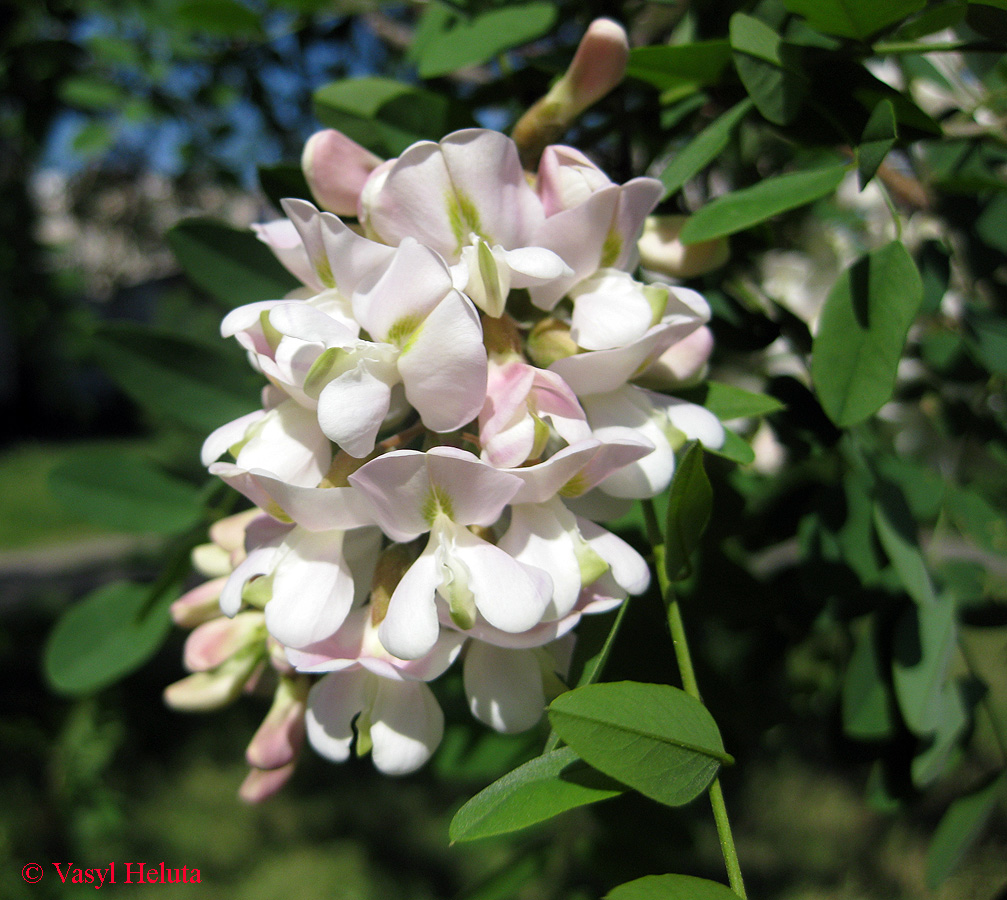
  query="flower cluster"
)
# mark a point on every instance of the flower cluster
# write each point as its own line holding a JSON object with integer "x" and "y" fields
{"x": 451, "y": 408}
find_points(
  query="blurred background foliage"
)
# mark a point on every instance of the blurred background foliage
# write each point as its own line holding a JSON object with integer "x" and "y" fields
{"x": 848, "y": 609}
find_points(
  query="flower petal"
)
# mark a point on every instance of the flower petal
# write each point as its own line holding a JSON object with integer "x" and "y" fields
{"x": 504, "y": 687}
{"x": 406, "y": 726}
{"x": 332, "y": 704}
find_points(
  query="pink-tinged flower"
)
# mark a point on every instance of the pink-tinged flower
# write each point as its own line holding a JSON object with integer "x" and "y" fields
{"x": 469, "y": 185}
{"x": 667, "y": 422}
{"x": 397, "y": 717}
{"x": 522, "y": 402}
{"x": 442, "y": 492}
{"x": 424, "y": 335}
{"x": 662, "y": 251}
{"x": 336, "y": 169}
{"x": 592, "y": 223}
{"x": 273, "y": 751}
{"x": 602, "y": 371}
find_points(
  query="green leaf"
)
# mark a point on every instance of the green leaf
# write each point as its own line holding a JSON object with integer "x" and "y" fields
{"x": 853, "y": 18}
{"x": 866, "y": 707}
{"x": 671, "y": 887}
{"x": 746, "y": 207}
{"x": 862, "y": 332}
{"x": 880, "y": 134}
{"x": 673, "y": 66}
{"x": 959, "y": 827}
{"x": 282, "y": 181}
{"x": 197, "y": 384}
{"x": 897, "y": 531}
{"x": 124, "y": 493}
{"x": 728, "y": 402}
{"x": 91, "y": 92}
{"x": 924, "y": 642}
{"x": 991, "y": 225}
{"x": 540, "y": 789}
{"x": 769, "y": 68}
{"x": 219, "y": 18}
{"x": 385, "y": 115}
{"x": 931, "y": 21}
{"x": 231, "y": 264}
{"x": 703, "y": 149}
{"x": 105, "y": 636}
{"x": 952, "y": 718}
{"x": 690, "y": 503}
{"x": 735, "y": 448}
{"x": 989, "y": 18}
{"x": 986, "y": 338}
{"x": 652, "y": 737}
{"x": 451, "y": 41}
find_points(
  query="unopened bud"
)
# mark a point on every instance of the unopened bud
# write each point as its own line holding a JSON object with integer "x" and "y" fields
{"x": 597, "y": 67}
{"x": 261, "y": 784}
{"x": 549, "y": 341}
{"x": 219, "y": 639}
{"x": 199, "y": 605}
{"x": 336, "y": 169}
{"x": 204, "y": 691}
{"x": 279, "y": 738}
{"x": 662, "y": 251}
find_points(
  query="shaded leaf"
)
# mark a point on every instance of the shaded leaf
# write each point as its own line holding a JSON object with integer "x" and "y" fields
{"x": 124, "y": 493}
{"x": 735, "y": 448}
{"x": 671, "y": 887}
{"x": 746, "y": 207}
{"x": 104, "y": 637}
{"x": 878, "y": 138}
{"x": 690, "y": 503}
{"x": 862, "y": 332}
{"x": 728, "y": 402}
{"x": 230, "y": 264}
{"x": 177, "y": 378}
{"x": 769, "y": 68}
{"x": 986, "y": 338}
{"x": 385, "y": 115}
{"x": 448, "y": 41}
{"x": 897, "y": 531}
{"x": 959, "y": 827}
{"x": 220, "y": 18}
{"x": 703, "y": 149}
{"x": 651, "y": 737}
{"x": 540, "y": 789}
{"x": 939, "y": 753}
{"x": 667, "y": 67}
{"x": 282, "y": 181}
{"x": 853, "y": 18}
{"x": 924, "y": 642}
{"x": 866, "y": 707}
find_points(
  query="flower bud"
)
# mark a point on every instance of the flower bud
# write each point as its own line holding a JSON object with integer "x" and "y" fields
{"x": 550, "y": 340}
{"x": 199, "y": 605}
{"x": 597, "y": 67}
{"x": 336, "y": 169}
{"x": 204, "y": 691}
{"x": 260, "y": 784}
{"x": 219, "y": 639}
{"x": 662, "y": 251}
{"x": 280, "y": 737}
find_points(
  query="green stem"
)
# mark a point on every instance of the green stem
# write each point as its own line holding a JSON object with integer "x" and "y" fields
{"x": 688, "y": 674}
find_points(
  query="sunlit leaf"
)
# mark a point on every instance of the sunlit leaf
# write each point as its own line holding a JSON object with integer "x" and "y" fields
{"x": 897, "y": 531}
{"x": 769, "y": 68}
{"x": 651, "y": 737}
{"x": 671, "y": 887}
{"x": 746, "y": 207}
{"x": 689, "y": 506}
{"x": 866, "y": 703}
{"x": 540, "y": 789}
{"x": 862, "y": 332}
{"x": 670, "y": 66}
{"x": 219, "y": 18}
